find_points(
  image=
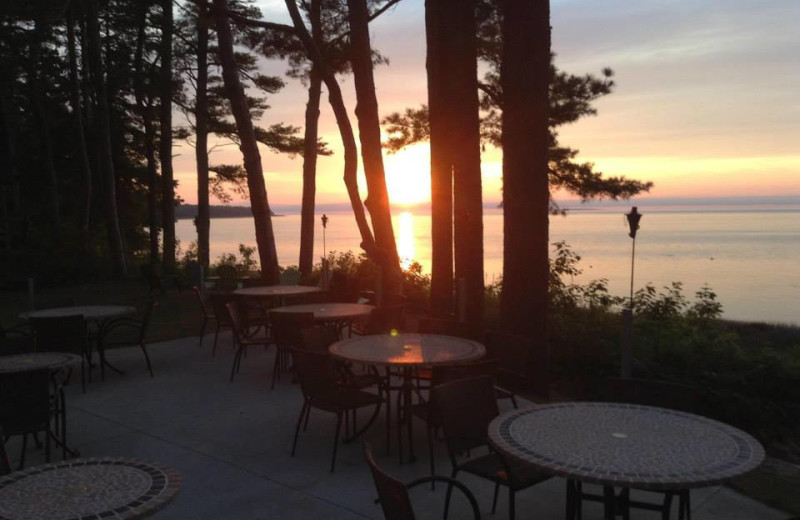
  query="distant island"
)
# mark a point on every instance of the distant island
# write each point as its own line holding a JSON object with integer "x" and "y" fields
{"x": 189, "y": 211}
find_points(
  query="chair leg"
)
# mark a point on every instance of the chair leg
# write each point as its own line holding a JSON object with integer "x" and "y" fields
{"x": 24, "y": 449}
{"x": 216, "y": 336}
{"x": 47, "y": 443}
{"x": 83, "y": 377}
{"x": 276, "y": 367}
{"x": 202, "y": 331}
{"x": 430, "y": 454}
{"x": 449, "y": 494}
{"x": 667, "y": 507}
{"x": 512, "y": 503}
{"x": 146, "y": 358}
{"x": 514, "y": 401}
{"x": 308, "y": 416}
{"x": 336, "y": 439}
{"x": 494, "y": 498}
{"x": 303, "y": 411}
{"x": 62, "y": 398}
{"x": 235, "y": 363}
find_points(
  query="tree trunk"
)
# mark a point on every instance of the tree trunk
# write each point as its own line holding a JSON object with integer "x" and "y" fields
{"x": 75, "y": 100}
{"x": 43, "y": 122}
{"x": 146, "y": 113}
{"x": 306, "y": 261}
{"x": 102, "y": 133}
{"x": 265, "y": 238}
{"x": 165, "y": 145}
{"x": 201, "y": 145}
{"x": 525, "y": 77}
{"x": 369, "y": 132}
{"x": 466, "y": 157}
{"x": 336, "y": 101}
{"x": 441, "y": 299}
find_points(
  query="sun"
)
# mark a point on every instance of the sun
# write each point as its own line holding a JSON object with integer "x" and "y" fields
{"x": 408, "y": 175}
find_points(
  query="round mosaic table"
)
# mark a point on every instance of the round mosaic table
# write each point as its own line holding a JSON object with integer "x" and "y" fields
{"x": 626, "y": 445}
{"x": 407, "y": 352}
{"x": 52, "y": 361}
{"x": 330, "y": 311}
{"x": 87, "y": 488}
{"x": 89, "y": 312}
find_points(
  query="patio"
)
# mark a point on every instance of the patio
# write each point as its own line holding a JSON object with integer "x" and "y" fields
{"x": 230, "y": 442}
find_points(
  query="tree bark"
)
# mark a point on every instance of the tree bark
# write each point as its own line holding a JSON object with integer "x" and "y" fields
{"x": 265, "y": 238}
{"x": 336, "y": 101}
{"x": 306, "y": 261}
{"x": 102, "y": 134}
{"x": 43, "y": 122}
{"x": 525, "y": 77}
{"x": 201, "y": 145}
{"x": 146, "y": 113}
{"x": 466, "y": 159}
{"x": 369, "y": 133}
{"x": 441, "y": 299}
{"x": 77, "y": 112}
{"x": 165, "y": 145}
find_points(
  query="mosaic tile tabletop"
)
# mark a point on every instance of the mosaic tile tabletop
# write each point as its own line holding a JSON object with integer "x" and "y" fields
{"x": 37, "y": 361}
{"x": 626, "y": 445}
{"x": 277, "y": 290}
{"x": 83, "y": 489}
{"x": 89, "y": 312}
{"x": 330, "y": 311}
{"x": 408, "y": 349}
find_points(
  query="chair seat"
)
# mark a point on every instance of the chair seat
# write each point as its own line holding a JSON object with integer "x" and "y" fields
{"x": 348, "y": 399}
{"x": 491, "y": 467}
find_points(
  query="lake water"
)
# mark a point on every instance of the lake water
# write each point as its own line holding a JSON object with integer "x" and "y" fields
{"x": 749, "y": 254}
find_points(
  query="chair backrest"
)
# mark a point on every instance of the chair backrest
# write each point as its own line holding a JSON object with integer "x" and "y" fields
{"x": 16, "y": 340}
{"x": 653, "y": 392}
{"x": 145, "y": 322}
{"x": 228, "y": 277}
{"x": 60, "y": 334}
{"x": 446, "y": 326}
{"x": 235, "y": 319}
{"x": 219, "y": 301}
{"x": 466, "y": 408}
{"x": 387, "y": 318}
{"x": 287, "y": 326}
{"x": 318, "y": 338}
{"x": 316, "y": 372}
{"x": 207, "y": 312}
{"x": 392, "y": 493}
{"x": 25, "y": 401}
{"x": 344, "y": 288}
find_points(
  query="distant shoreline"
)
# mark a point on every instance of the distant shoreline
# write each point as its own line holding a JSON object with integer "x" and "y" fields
{"x": 189, "y": 211}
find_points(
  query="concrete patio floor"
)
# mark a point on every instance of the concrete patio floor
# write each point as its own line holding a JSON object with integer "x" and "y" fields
{"x": 231, "y": 443}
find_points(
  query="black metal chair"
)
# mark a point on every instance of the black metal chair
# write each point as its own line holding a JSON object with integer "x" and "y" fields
{"x": 219, "y": 301}
{"x": 428, "y": 411}
{"x": 286, "y": 329}
{"x": 242, "y": 339}
{"x": 25, "y": 407}
{"x": 393, "y": 494}
{"x": 466, "y": 407}
{"x": 324, "y": 390}
{"x": 17, "y": 339}
{"x": 5, "y": 464}
{"x": 208, "y": 313}
{"x": 228, "y": 277}
{"x": 382, "y": 320}
{"x": 125, "y": 331}
{"x": 64, "y": 334}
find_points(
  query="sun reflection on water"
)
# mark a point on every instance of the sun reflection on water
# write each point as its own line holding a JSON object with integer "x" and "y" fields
{"x": 405, "y": 239}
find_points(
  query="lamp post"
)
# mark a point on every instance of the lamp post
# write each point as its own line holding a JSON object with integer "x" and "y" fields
{"x": 324, "y": 252}
{"x": 626, "y": 363}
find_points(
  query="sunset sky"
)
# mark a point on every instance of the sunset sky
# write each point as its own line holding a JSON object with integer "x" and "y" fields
{"x": 706, "y": 102}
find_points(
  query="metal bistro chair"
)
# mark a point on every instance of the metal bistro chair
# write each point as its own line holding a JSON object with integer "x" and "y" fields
{"x": 126, "y": 331}
{"x": 208, "y": 313}
{"x": 25, "y": 408}
{"x": 64, "y": 334}
{"x": 323, "y": 389}
{"x": 467, "y": 406}
{"x": 17, "y": 339}
{"x": 241, "y": 337}
{"x": 287, "y": 328}
{"x": 393, "y": 494}
{"x": 219, "y": 301}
